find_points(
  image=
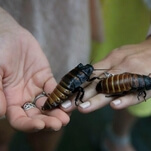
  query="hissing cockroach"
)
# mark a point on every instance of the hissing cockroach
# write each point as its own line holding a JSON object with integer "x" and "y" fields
{"x": 121, "y": 84}
{"x": 70, "y": 84}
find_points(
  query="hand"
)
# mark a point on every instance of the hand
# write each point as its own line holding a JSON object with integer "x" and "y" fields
{"x": 130, "y": 58}
{"x": 24, "y": 72}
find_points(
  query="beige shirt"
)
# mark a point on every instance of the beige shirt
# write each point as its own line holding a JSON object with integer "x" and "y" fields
{"x": 60, "y": 26}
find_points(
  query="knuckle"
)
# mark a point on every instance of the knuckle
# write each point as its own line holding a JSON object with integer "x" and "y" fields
{"x": 116, "y": 53}
{"x": 131, "y": 60}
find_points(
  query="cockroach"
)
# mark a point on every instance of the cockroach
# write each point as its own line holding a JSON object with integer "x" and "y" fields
{"x": 70, "y": 84}
{"x": 121, "y": 84}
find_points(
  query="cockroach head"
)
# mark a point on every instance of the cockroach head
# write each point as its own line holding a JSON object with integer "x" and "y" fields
{"x": 87, "y": 69}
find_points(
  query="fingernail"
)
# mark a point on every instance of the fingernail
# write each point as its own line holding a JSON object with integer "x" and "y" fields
{"x": 56, "y": 130}
{"x": 66, "y": 104}
{"x": 116, "y": 102}
{"x": 85, "y": 105}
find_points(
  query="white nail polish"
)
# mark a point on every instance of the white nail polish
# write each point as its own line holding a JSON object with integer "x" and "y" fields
{"x": 116, "y": 102}
{"x": 66, "y": 104}
{"x": 85, "y": 105}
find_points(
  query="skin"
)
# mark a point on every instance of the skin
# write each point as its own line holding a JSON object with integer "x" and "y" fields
{"x": 133, "y": 58}
{"x": 130, "y": 58}
{"x": 24, "y": 73}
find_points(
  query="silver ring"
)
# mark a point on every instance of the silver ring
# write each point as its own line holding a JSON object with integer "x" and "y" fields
{"x": 43, "y": 94}
{"x": 28, "y": 105}
{"x": 107, "y": 74}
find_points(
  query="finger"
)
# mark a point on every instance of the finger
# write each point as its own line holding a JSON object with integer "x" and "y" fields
{"x": 94, "y": 103}
{"x": 49, "y": 86}
{"x": 31, "y": 120}
{"x": 19, "y": 120}
{"x": 59, "y": 114}
{"x": 68, "y": 106}
{"x": 126, "y": 101}
{"x": 52, "y": 119}
{"x": 89, "y": 92}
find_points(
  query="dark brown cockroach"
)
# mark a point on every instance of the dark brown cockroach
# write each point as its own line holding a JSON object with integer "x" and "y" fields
{"x": 70, "y": 84}
{"x": 121, "y": 84}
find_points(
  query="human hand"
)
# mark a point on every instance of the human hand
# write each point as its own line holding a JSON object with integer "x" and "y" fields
{"x": 130, "y": 58}
{"x": 24, "y": 72}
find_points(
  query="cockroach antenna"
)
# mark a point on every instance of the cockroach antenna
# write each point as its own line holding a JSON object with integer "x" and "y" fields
{"x": 100, "y": 69}
{"x": 105, "y": 69}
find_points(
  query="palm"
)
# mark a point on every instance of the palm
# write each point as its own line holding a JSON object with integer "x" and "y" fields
{"x": 25, "y": 73}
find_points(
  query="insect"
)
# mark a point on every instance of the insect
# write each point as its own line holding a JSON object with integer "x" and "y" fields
{"x": 70, "y": 84}
{"x": 121, "y": 84}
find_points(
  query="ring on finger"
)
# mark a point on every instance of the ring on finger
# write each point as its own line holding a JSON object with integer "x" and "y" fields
{"x": 43, "y": 94}
{"x": 28, "y": 105}
{"x": 107, "y": 74}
